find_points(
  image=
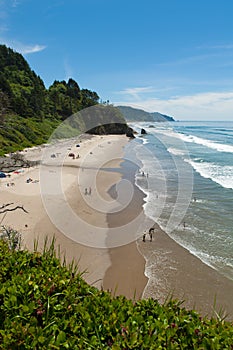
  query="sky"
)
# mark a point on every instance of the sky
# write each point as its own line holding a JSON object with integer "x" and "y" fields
{"x": 169, "y": 56}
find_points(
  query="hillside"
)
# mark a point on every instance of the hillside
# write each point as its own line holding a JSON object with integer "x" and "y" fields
{"x": 134, "y": 114}
{"x": 47, "y": 305}
{"x": 29, "y": 112}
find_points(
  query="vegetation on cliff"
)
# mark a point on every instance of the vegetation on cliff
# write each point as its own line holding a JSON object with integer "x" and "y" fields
{"x": 47, "y": 305}
{"x": 135, "y": 114}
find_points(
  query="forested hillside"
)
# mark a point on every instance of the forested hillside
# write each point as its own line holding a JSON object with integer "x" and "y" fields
{"x": 135, "y": 114}
{"x": 29, "y": 112}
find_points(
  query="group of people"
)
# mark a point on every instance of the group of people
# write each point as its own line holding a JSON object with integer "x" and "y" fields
{"x": 31, "y": 180}
{"x": 87, "y": 191}
{"x": 151, "y": 231}
{"x": 10, "y": 184}
{"x": 143, "y": 173}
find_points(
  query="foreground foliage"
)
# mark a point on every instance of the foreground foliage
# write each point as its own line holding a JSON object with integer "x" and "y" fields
{"x": 47, "y": 305}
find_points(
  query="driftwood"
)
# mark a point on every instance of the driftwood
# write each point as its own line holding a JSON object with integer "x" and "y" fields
{"x": 5, "y": 205}
{"x": 4, "y": 208}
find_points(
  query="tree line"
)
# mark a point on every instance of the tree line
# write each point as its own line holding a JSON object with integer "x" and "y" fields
{"x": 30, "y": 112}
{"x": 23, "y": 92}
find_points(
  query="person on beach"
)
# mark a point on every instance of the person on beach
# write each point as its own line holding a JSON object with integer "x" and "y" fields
{"x": 144, "y": 237}
{"x": 151, "y": 231}
{"x": 150, "y": 234}
{"x": 86, "y": 191}
{"x": 89, "y": 191}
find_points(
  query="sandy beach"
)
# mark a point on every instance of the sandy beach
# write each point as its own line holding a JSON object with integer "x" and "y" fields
{"x": 60, "y": 183}
{"x": 73, "y": 198}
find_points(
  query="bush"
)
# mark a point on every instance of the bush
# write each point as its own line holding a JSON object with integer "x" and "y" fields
{"x": 47, "y": 305}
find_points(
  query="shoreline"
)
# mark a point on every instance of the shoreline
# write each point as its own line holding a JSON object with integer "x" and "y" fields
{"x": 173, "y": 272}
{"x": 126, "y": 274}
{"x": 177, "y": 273}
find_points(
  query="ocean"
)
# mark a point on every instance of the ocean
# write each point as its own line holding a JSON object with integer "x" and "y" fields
{"x": 186, "y": 174}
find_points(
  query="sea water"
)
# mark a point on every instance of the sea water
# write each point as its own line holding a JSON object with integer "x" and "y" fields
{"x": 186, "y": 173}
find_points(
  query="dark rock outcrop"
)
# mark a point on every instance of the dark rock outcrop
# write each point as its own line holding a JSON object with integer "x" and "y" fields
{"x": 15, "y": 162}
{"x": 143, "y": 132}
{"x": 130, "y": 133}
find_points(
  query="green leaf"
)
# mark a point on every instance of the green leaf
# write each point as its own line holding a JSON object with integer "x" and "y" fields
{"x": 61, "y": 337}
{"x": 41, "y": 339}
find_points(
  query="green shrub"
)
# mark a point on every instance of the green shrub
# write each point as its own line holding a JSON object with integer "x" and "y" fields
{"x": 19, "y": 133}
{"x": 47, "y": 305}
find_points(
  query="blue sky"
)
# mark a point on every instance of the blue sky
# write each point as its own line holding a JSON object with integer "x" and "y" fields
{"x": 171, "y": 56}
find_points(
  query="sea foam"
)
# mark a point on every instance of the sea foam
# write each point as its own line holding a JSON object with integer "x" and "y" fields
{"x": 223, "y": 175}
{"x": 198, "y": 140}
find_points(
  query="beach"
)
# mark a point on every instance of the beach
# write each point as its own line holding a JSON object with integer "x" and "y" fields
{"x": 62, "y": 181}
{"x": 74, "y": 199}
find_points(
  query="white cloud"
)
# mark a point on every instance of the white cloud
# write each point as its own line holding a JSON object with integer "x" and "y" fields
{"x": 14, "y": 44}
{"x": 68, "y": 70}
{"x": 3, "y": 11}
{"x": 27, "y": 49}
{"x": 6, "y": 5}
{"x": 138, "y": 90}
{"x": 202, "y": 106}
{"x": 135, "y": 92}
{"x": 15, "y": 3}
{"x": 3, "y": 27}
{"x": 217, "y": 47}
{"x": 191, "y": 59}
{"x": 22, "y": 48}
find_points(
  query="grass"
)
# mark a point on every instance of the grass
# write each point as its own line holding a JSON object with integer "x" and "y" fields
{"x": 18, "y": 133}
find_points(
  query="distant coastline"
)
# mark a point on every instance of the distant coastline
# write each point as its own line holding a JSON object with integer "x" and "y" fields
{"x": 134, "y": 114}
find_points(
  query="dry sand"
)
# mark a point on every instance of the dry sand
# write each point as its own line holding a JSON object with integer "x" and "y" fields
{"x": 56, "y": 200}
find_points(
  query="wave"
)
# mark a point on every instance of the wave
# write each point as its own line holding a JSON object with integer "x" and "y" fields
{"x": 198, "y": 140}
{"x": 210, "y": 144}
{"x": 223, "y": 175}
{"x": 177, "y": 152}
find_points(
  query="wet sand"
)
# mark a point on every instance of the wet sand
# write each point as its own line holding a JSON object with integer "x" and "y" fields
{"x": 175, "y": 272}
{"x": 126, "y": 274}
